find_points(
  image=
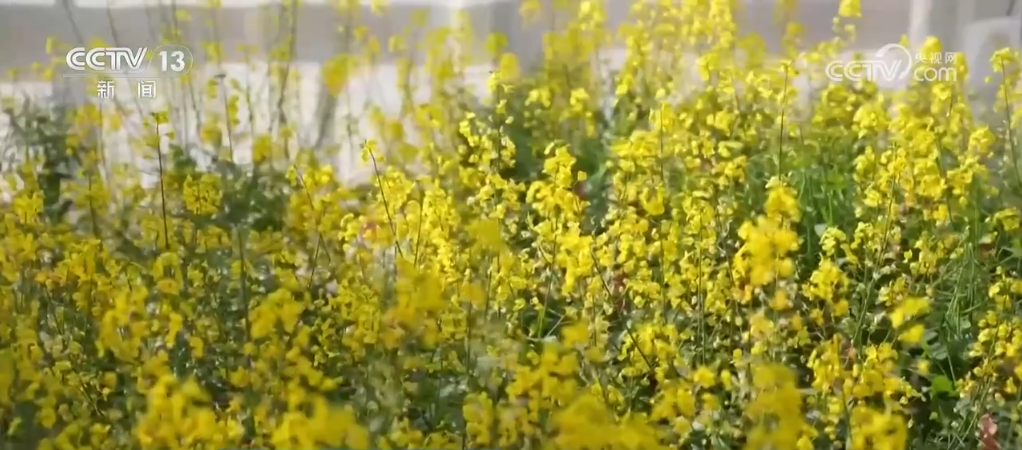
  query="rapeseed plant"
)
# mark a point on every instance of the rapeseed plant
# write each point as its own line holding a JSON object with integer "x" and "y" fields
{"x": 708, "y": 262}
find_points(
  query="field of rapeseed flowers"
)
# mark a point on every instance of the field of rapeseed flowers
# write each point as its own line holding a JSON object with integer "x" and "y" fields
{"x": 718, "y": 262}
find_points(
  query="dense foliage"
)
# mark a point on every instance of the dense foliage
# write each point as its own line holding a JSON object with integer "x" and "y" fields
{"x": 751, "y": 257}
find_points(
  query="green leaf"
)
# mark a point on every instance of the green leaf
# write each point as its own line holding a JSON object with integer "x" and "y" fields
{"x": 938, "y": 351}
{"x": 941, "y": 384}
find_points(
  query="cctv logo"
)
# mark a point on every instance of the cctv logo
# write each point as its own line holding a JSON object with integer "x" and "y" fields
{"x": 106, "y": 59}
{"x": 873, "y": 69}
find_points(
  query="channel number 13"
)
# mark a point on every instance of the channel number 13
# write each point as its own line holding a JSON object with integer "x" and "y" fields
{"x": 174, "y": 59}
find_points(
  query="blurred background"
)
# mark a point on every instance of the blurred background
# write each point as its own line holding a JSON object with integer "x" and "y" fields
{"x": 975, "y": 27}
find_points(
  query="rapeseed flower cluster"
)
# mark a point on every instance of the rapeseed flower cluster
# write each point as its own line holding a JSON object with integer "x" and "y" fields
{"x": 586, "y": 260}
